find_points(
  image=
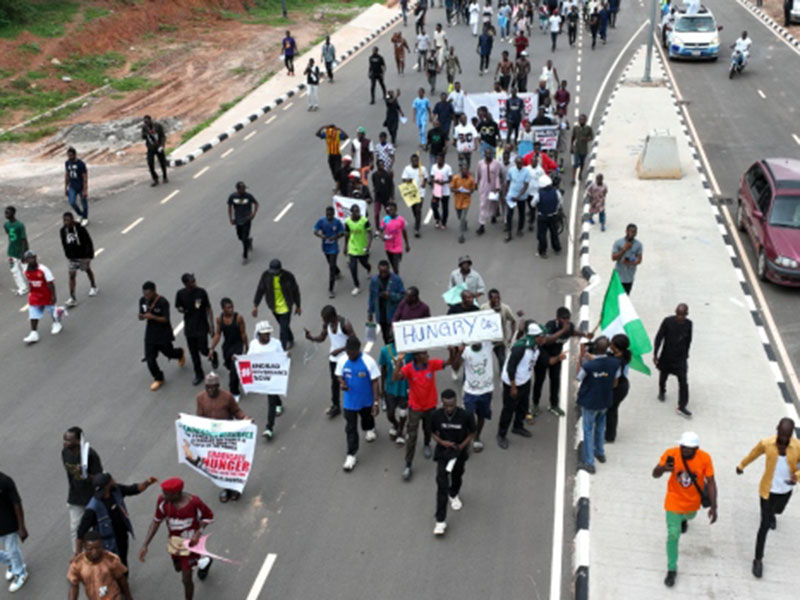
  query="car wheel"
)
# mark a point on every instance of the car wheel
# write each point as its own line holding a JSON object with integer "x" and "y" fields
{"x": 761, "y": 268}
{"x": 740, "y": 217}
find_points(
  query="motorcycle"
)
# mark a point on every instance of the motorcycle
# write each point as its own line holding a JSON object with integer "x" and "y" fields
{"x": 738, "y": 63}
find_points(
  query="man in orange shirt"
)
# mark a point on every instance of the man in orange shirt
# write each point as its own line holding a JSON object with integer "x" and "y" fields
{"x": 101, "y": 572}
{"x": 463, "y": 185}
{"x": 691, "y": 485}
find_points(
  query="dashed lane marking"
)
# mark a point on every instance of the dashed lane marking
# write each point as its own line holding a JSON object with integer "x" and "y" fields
{"x": 796, "y": 138}
{"x": 171, "y": 196}
{"x": 132, "y": 225}
{"x": 271, "y": 119}
{"x": 226, "y": 153}
{"x": 286, "y": 209}
{"x": 178, "y": 328}
{"x": 288, "y": 106}
{"x": 24, "y": 308}
{"x": 98, "y": 252}
{"x": 762, "y": 94}
{"x": 261, "y": 578}
{"x": 249, "y": 135}
{"x": 200, "y": 172}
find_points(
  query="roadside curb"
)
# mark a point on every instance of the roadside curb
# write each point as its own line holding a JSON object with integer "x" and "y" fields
{"x": 177, "y": 162}
{"x": 778, "y": 28}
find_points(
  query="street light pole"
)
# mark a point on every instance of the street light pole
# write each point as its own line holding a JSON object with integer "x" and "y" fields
{"x": 652, "y": 32}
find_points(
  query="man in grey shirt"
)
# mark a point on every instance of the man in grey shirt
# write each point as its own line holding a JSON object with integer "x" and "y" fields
{"x": 627, "y": 252}
{"x": 328, "y": 57}
{"x": 465, "y": 274}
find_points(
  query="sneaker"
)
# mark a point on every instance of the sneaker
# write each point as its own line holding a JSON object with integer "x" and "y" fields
{"x": 215, "y": 359}
{"x": 237, "y": 397}
{"x": 662, "y": 396}
{"x": 684, "y": 412}
{"x": 18, "y": 582}
{"x": 279, "y": 410}
{"x": 407, "y": 473}
{"x": 9, "y": 575}
{"x": 477, "y": 446}
{"x": 400, "y": 440}
{"x": 197, "y": 381}
{"x": 426, "y": 451}
{"x": 502, "y": 441}
{"x": 684, "y": 526}
{"x": 393, "y": 433}
{"x": 758, "y": 569}
{"x": 439, "y": 528}
{"x": 773, "y": 524}
{"x": 71, "y": 302}
{"x": 349, "y": 463}
{"x": 371, "y": 435}
{"x": 556, "y": 411}
{"x": 456, "y": 503}
{"x": 355, "y": 291}
{"x": 333, "y": 411}
{"x": 203, "y": 565}
{"x": 331, "y": 295}
{"x": 56, "y": 328}
{"x": 669, "y": 580}
{"x": 601, "y": 458}
{"x": 529, "y": 419}
{"x": 84, "y": 221}
{"x": 481, "y": 230}
{"x": 461, "y": 239}
{"x": 268, "y": 434}
{"x": 521, "y": 431}
{"x": 182, "y": 359}
{"x": 156, "y": 385}
{"x": 588, "y": 468}
{"x": 93, "y": 291}
{"x": 22, "y": 292}
{"x": 31, "y": 338}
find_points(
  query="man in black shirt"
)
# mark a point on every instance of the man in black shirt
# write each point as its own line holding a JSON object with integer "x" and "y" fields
{"x": 377, "y": 66}
{"x": 437, "y": 142}
{"x": 452, "y": 428}
{"x": 675, "y": 334}
{"x": 383, "y": 184}
{"x": 467, "y": 304}
{"x": 79, "y": 476}
{"x": 79, "y": 251}
{"x": 278, "y": 287}
{"x": 13, "y": 530}
{"x": 488, "y": 130}
{"x": 158, "y": 336}
{"x": 242, "y": 209}
{"x": 154, "y": 138}
{"x": 515, "y": 107}
{"x": 541, "y": 118}
{"x": 198, "y": 322}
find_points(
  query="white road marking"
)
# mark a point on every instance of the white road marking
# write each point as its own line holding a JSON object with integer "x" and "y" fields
{"x": 24, "y": 308}
{"x": 261, "y": 578}
{"x": 98, "y": 252}
{"x": 346, "y": 142}
{"x": 796, "y": 138}
{"x": 132, "y": 225}
{"x": 577, "y": 99}
{"x": 226, "y": 153}
{"x": 577, "y": 112}
{"x": 178, "y": 328}
{"x": 429, "y": 216}
{"x": 367, "y": 347}
{"x": 200, "y": 172}
{"x": 288, "y": 106}
{"x": 173, "y": 194}
{"x": 271, "y": 119}
{"x": 762, "y": 94}
{"x": 249, "y": 135}
{"x": 286, "y": 209}
{"x": 577, "y": 89}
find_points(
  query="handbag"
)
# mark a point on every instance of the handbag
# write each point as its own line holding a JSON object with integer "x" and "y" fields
{"x": 705, "y": 499}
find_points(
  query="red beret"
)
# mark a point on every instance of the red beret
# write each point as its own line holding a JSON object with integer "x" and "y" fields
{"x": 173, "y": 485}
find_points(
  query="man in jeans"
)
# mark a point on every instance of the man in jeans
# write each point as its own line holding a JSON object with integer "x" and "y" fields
{"x": 328, "y": 57}
{"x": 598, "y": 376}
{"x": 280, "y": 291}
{"x": 76, "y": 184}
{"x": 781, "y": 456}
{"x": 12, "y": 533}
{"x": 690, "y": 471}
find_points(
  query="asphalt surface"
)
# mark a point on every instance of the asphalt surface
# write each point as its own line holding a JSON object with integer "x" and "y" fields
{"x": 740, "y": 121}
{"x": 336, "y": 535}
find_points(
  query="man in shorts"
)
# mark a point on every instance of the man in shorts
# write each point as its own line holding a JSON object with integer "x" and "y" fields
{"x": 79, "y": 250}
{"x": 478, "y": 385}
{"x": 41, "y": 296}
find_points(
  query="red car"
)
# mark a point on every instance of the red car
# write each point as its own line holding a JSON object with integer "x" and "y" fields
{"x": 769, "y": 211}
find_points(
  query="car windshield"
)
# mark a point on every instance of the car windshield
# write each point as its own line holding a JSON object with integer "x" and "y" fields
{"x": 786, "y": 212}
{"x": 695, "y": 25}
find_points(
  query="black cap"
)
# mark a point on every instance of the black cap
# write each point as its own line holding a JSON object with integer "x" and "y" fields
{"x": 187, "y": 277}
{"x": 101, "y": 480}
{"x": 275, "y": 265}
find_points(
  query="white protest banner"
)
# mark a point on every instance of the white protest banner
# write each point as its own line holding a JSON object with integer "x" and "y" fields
{"x": 342, "y": 204}
{"x": 447, "y": 330}
{"x": 219, "y": 450}
{"x": 546, "y": 135}
{"x": 266, "y": 373}
{"x": 496, "y": 104}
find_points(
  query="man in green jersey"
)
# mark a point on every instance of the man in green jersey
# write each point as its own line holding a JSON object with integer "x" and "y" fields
{"x": 17, "y": 245}
{"x": 357, "y": 240}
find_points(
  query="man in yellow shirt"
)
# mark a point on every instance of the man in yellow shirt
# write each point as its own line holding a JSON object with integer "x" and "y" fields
{"x": 280, "y": 291}
{"x": 463, "y": 186}
{"x": 782, "y": 453}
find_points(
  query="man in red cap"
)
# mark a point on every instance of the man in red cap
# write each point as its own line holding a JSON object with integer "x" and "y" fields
{"x": 186, "y": 516}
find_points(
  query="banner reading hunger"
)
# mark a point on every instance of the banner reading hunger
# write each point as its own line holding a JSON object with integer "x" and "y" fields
{"x": 219, "y": 450}
{"x": 447, "y": 330}
{"x": 266, "y": 373}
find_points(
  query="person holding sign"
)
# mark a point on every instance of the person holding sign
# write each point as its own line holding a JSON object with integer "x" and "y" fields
{"x": 359, "y": 378}
{"x": 416, "y": 175}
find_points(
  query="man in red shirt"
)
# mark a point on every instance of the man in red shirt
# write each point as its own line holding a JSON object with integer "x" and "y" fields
{"x": 548, "y": 164}
{"x": 41, "y": 296}
{"x": 422, "y": 398}
{"x": 186, "y": 516}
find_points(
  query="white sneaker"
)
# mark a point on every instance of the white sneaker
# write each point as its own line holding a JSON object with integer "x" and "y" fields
{"x": 439, "y": 528}
{"x": 349, "y": 463}
{"x": 56, "y": 328}
{"x": 393, "y": 432}
{"x": 237, "y": 397}
{"x": 355, "y": 291}
{"x": 9, "y": 575}
{"x": 400, "y": 440}
{"x": 31, "y": 338}
{"x": 84, "y": 222}
{"x": 71, "y": 302}
{"x": 456, "y": 503}
{"x": 371, "y": 435}
{"x": 93, "y": 291}
{"x": 477, "y": 445}
{"x": 18, "y": 582}
{"x": 268, "y": 434}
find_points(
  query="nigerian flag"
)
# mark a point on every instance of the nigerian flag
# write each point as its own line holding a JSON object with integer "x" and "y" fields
{"x": 619, "y": 316}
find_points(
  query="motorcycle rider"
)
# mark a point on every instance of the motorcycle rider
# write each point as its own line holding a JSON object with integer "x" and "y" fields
{"x": 742, "y": 46}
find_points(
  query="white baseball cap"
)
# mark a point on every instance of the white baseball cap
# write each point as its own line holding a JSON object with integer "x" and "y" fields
{"x": 263, "y": 327}
{"x": 690, "y": 439}
{"x": 534, "y": 330}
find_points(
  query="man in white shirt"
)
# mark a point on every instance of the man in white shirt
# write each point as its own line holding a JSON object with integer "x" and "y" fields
{"x": 262, "y": 343}
{"x": 536, "y": 171}
{"x": 441, "y": 175}
{"x": 422, "y": 46}
{"x": 742, "y": 45}
{"x": 478, "y": 385}
{"x": 465, "y": 140}
{"x": 440, "y": 43}
{"x": 516, "y": 378}
{"x": 457, "y": 98}
{"x": 419, "y": 175}
{"x": 554, "y": 25}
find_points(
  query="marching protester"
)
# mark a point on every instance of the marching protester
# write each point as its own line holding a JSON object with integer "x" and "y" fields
{"x": 358, "y": 241}
{"x": 490, "y": 182}
{"x": 231, "y": 329}
{"x": 395, "y": 236}
{"x": 41, "y": 296}
{"x": 158, "y": 336}
{"x": 76, "y": 185}
{"x": 278, "y": 287}
{"x": 467, "y": 276}
{"x": 507, "y": 322}
{"x": 400, "y": 48}
{"x": 478, "y": 385}
{"x": 582, "y": 136}
{"x": 17, "y": 246}
{"x": 411, "y": 307}
{"x": 289, "y": 46}
{"x": 312, "y": 84}
{"x": 328, "y": 56}
{"x": 264, "y": 343}
{"x": 394, "y": 393}
{"x": 198, "y": 323}
{"x": 155, "y": 139}
{"x": 463, "y": 186}
{"x": 79, "y": 251}
{"x": 339, "y": 329}
{"x": 393, "y": 114}
{"x": 12, "y": 533}
{"x": 596, "y": 193}
{"x": 333, "y": 137}
{"x": 383, "y": 184}
{"x": 330, "y": 229}
{"x": 384, "y": 153}
{"x": 598, "y": 375}
{"x": 80, "y": 476}
{"x": 675, "y": 334}
{"x": 102, "y": 573}
{"x": 465, "y": 140}
{"x": 417, "y": 174}
{"x": 515, "y": 195}
{"x": 386, "y": 291}
{"x": 619, "y": 347}
{"x": 242, "y": 209}
{"x": 627, "y": 252}
{"x": 377, "y": 67}
{"x": 422, "y": 46}
{"x": 441, "y": 176}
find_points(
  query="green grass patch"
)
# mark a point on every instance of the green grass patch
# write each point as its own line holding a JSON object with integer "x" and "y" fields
{"x": 140, "y": 64}
{"x": 134, "y": 82}
{"x": 223, "y": 108}
{"x": 28, "y": 135}
{"x": 5, "y": 73}
{"x": 167, "y": 27}
{"x": 36, "y": 75}
{"x": 34, "y": 100}
{"x": 240, "y": 70}
{"x": 29, "y": 48}
{"x": 269, "y": 12}
{"x": 117, "y": 96}
{"x": 61, "y": 113}
{"x": 95, "y": 12}
{"x": 92, "y": 68}
{"x": 43, "y": 18}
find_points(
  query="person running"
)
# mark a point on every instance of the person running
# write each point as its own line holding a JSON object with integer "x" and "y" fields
{"x": 441, "y": 176}
{"x": 198, "y": 320}
{"x": 485, "y": 41}
{"x": 12, "y": 533}
{"x": 264, "y": 343}
{"x": 453, "y": 429}
{"x": 465, "y": 140}
{"x": 278, "y": 287}
{"x": 463, "y": 186}
{"x": 231, "y": 328}
{"x": 395, "y": 236}
{"x": 422, "y": 396}
{"x": 393, "y": 114}
{"x": 101, "y": 572}
{"x": 691, "y": 485}
{"x": 242, "y": 209}
{"x": 377, "y": 68}
{"x": 675, "y": 334}
{"x": 76, "y": 185}
{"x": 17, "y": 246}
{"x": 400, "y": 48}
{"x": 478, "y": 385}
{"x": 582, "y": 136}
{"x": 289, "y": 47}
{"x": 107, "y": 514}
{"x": 80, "y": 474}
{"x": 79, "y": 251}
{"x": 330, "y": 229}
{"x": 328, "y": 56}
{"x": 358, "y": 241}
{"x": 312, "y": 84}
{"x": 158, "y": 336}
{"x": 393, "y": 393}
{"x": 418, "y": 174}
{"x": 386, "y": 291}
{"x": 155, "y": 139}
{"x": 41, "y": 297}
{"x": 490, "y": 182}
{"x": 359, "y": 377}
{"x": 339, "y": 329}
{"x": 186, "y": 516}
{"x": 781, "y": 456}
{"x": 333, "y": 137}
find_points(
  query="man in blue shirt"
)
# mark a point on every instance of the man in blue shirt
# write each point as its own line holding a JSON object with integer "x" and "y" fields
{"x": 386, "y": 290}
{"x": 485, "y": 42}
{"x": 329, "y": 229}
{"x": 359, "y": 378}
{"x": 444, "y": 114}
{"x": 598, "y": 377}
{"x": 516, "y": 193}
{"x": 76, "y": 184}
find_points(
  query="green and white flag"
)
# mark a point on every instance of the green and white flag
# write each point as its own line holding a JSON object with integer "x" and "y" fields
{"x": 619, "y": 316}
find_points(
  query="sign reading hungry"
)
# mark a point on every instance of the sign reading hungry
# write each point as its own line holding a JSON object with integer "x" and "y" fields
{"x": 447, "y": 330}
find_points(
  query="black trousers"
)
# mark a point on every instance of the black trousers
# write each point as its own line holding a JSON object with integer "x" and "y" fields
{"x": 522, "y": 84}
{"x": 351, "y": 426}
{"x": 284, "y": 323}
{"x": 329, "y": 69}
{"x": 513, "y": 127}
{"x": 386, "y": 331}
{"x": 594, "y": 37}
{"x": 151, "y": 353}
{"x": 627, "y": 287}
{"x": 444, "y": 204}
{"x": 394, "y": 259}
{"x": 681, "y": 372}
{"x": 514, "y": 408}
{"x": 372, "y": 82}
{"x": 335, "y": 385}
{"x": 500, "y": 352}
{"x": 416, "y": 209}
{"x": 484, "y": 66}
{"x": 354, "y": 260}
{"x": 334, "y": 164}
{"x": 152, "y": 153}
{"x": 572, "y": 32}
{"x": 333, "y": 269}
{"x": 553, "y": 38}
{"x": 273, "y": 402}
{"x": 243, "y": 233}
{"x": 289, "y": 62}
{"x": 520, "y": 208}
{"x": 541, "y": 370}
{"x": 770, "y": 507}
{"x": 392, "y": 132}
{"x": 448, "y": 484}
{"x": 198, "y": 347}
{"x": 548, "y": 224}
{"x": 233, "y": 377}
{"x": 612, "y": 414}
{"x": 122, "y": 548}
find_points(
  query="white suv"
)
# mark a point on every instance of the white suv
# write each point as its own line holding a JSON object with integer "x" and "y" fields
{"x": 692, "y": 35}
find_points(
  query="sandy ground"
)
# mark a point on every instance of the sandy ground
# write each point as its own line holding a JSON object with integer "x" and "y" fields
{"x": 774, "y": 8}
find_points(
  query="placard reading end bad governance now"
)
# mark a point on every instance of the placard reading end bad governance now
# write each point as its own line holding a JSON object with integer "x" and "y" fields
{"x": 447, "y": 330}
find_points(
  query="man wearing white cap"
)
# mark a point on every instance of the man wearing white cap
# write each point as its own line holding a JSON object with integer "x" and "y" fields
{"x": 691, "y": 485}
{"x": 263, "y": 343}
{"x": 548, "y": 205}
